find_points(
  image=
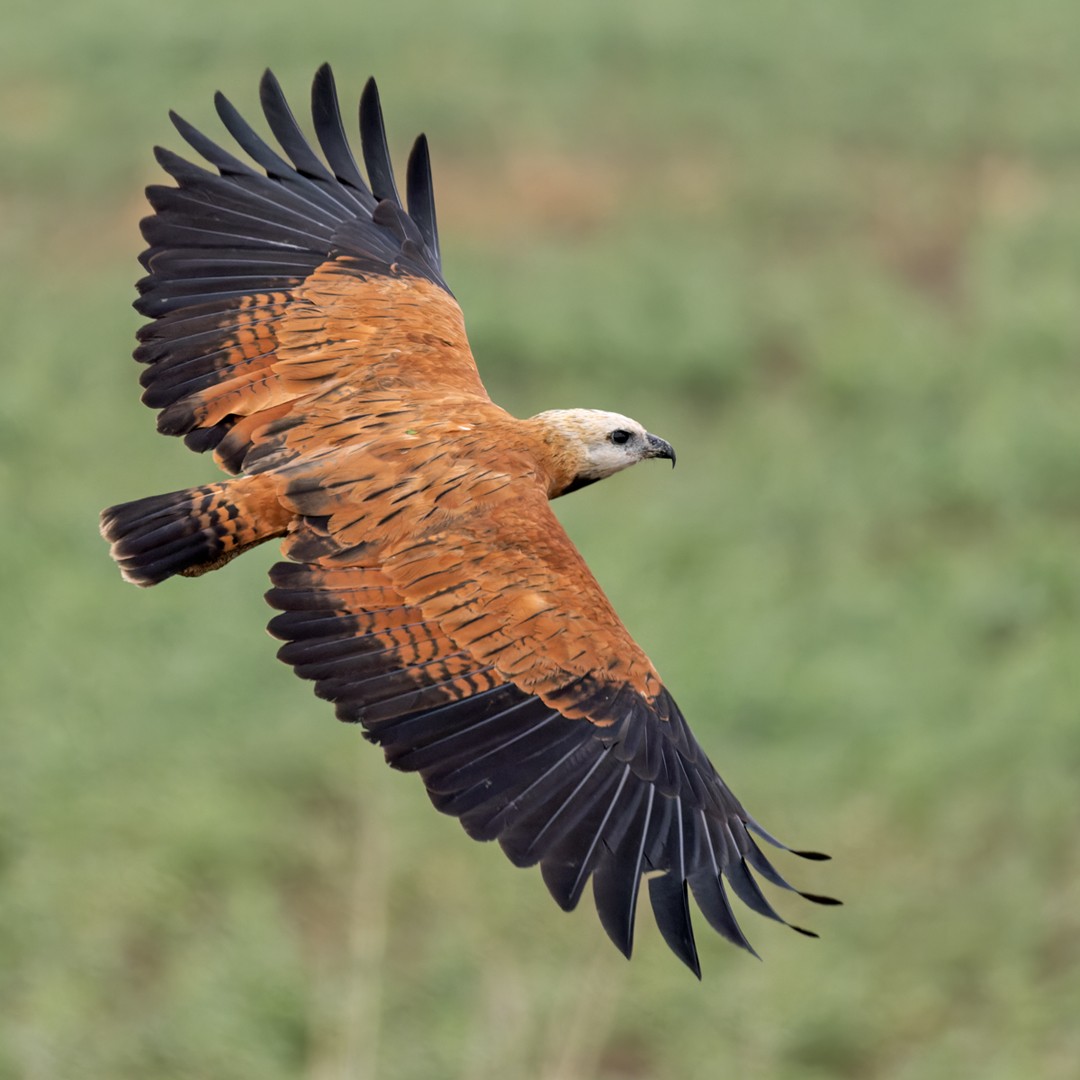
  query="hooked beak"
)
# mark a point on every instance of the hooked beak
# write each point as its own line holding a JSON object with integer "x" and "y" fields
{"x": 658, "y": 447}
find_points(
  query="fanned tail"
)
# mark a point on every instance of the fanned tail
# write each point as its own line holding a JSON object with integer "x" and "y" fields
{"x": 192, "y": 531}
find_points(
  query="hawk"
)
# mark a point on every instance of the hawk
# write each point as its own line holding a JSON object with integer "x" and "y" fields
{"x": 301, "y": 330}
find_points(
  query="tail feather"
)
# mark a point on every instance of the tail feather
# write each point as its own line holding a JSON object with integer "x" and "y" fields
{"x": 192, "y": 531}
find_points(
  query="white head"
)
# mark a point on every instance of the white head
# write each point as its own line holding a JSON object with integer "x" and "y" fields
{"x": 601, "y": 443}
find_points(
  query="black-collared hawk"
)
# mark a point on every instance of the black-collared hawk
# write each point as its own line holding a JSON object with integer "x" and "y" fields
{"x": 301, "y": 330}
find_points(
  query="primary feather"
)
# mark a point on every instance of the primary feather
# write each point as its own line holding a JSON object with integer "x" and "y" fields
{"x": 303, "y": 332}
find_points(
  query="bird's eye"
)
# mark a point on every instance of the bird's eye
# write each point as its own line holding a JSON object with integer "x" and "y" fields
{"x": 619, "y": 436}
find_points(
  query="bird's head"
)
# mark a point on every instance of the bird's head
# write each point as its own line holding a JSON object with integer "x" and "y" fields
{"x": 588, "y": 444}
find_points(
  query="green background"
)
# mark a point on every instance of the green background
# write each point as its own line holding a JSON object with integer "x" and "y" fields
{"x": 831, "y": 250}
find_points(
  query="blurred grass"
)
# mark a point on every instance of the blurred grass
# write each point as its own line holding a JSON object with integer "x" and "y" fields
{"x": 832, "y": 252}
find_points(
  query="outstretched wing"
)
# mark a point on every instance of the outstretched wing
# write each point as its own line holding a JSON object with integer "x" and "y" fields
{"x": 481, "y": 653}
{"x": 274, "y": 289}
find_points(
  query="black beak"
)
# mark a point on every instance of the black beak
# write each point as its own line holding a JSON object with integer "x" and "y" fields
{"x": 660, "y": 448}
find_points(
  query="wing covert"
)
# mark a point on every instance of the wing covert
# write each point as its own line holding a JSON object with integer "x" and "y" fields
{"x": 469, "y": 539}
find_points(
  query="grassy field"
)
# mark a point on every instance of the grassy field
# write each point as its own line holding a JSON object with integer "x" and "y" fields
{"x": 832, "y": 252}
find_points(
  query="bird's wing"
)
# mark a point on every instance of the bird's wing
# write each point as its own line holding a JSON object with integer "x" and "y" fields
{"x": 480, "y": 652}
{"x": 271, "y": 290}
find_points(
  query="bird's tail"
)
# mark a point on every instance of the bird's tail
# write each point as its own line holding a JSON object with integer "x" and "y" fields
{"x": 192, "y": 531}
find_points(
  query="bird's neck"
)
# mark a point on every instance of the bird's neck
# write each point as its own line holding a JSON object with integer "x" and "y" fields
{"x": 557, "y": 454}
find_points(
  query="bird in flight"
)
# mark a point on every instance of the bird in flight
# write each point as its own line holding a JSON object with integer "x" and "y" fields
{"x": 301, "y": 330}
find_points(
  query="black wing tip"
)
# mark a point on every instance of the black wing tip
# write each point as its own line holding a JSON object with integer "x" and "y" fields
{"x": 669, "y": 897}
{"x": 186, "y": 130}
{"x": 323, "y": 82}
{"x": 371, "y": 111}
{"x": 419, "y": 165}
{"x": 371, "y": 106}
{"x": 689, "y": 958}
{"x": 162, "y": 154}
{"x": 625, "y": 947}
{"x": 270, "y": 87}
{"x": 373, "y": 143}
{"x": 419, "y": 190}
{"x": 747, "y": 947}
{"x": 756, "y": 827}
{"x": 813, "y": 856}
{"x": 819, "y": 898}
{"x": 617, "y": 924}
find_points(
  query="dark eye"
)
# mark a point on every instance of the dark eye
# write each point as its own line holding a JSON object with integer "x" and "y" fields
{"x": 618, "y": 436}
